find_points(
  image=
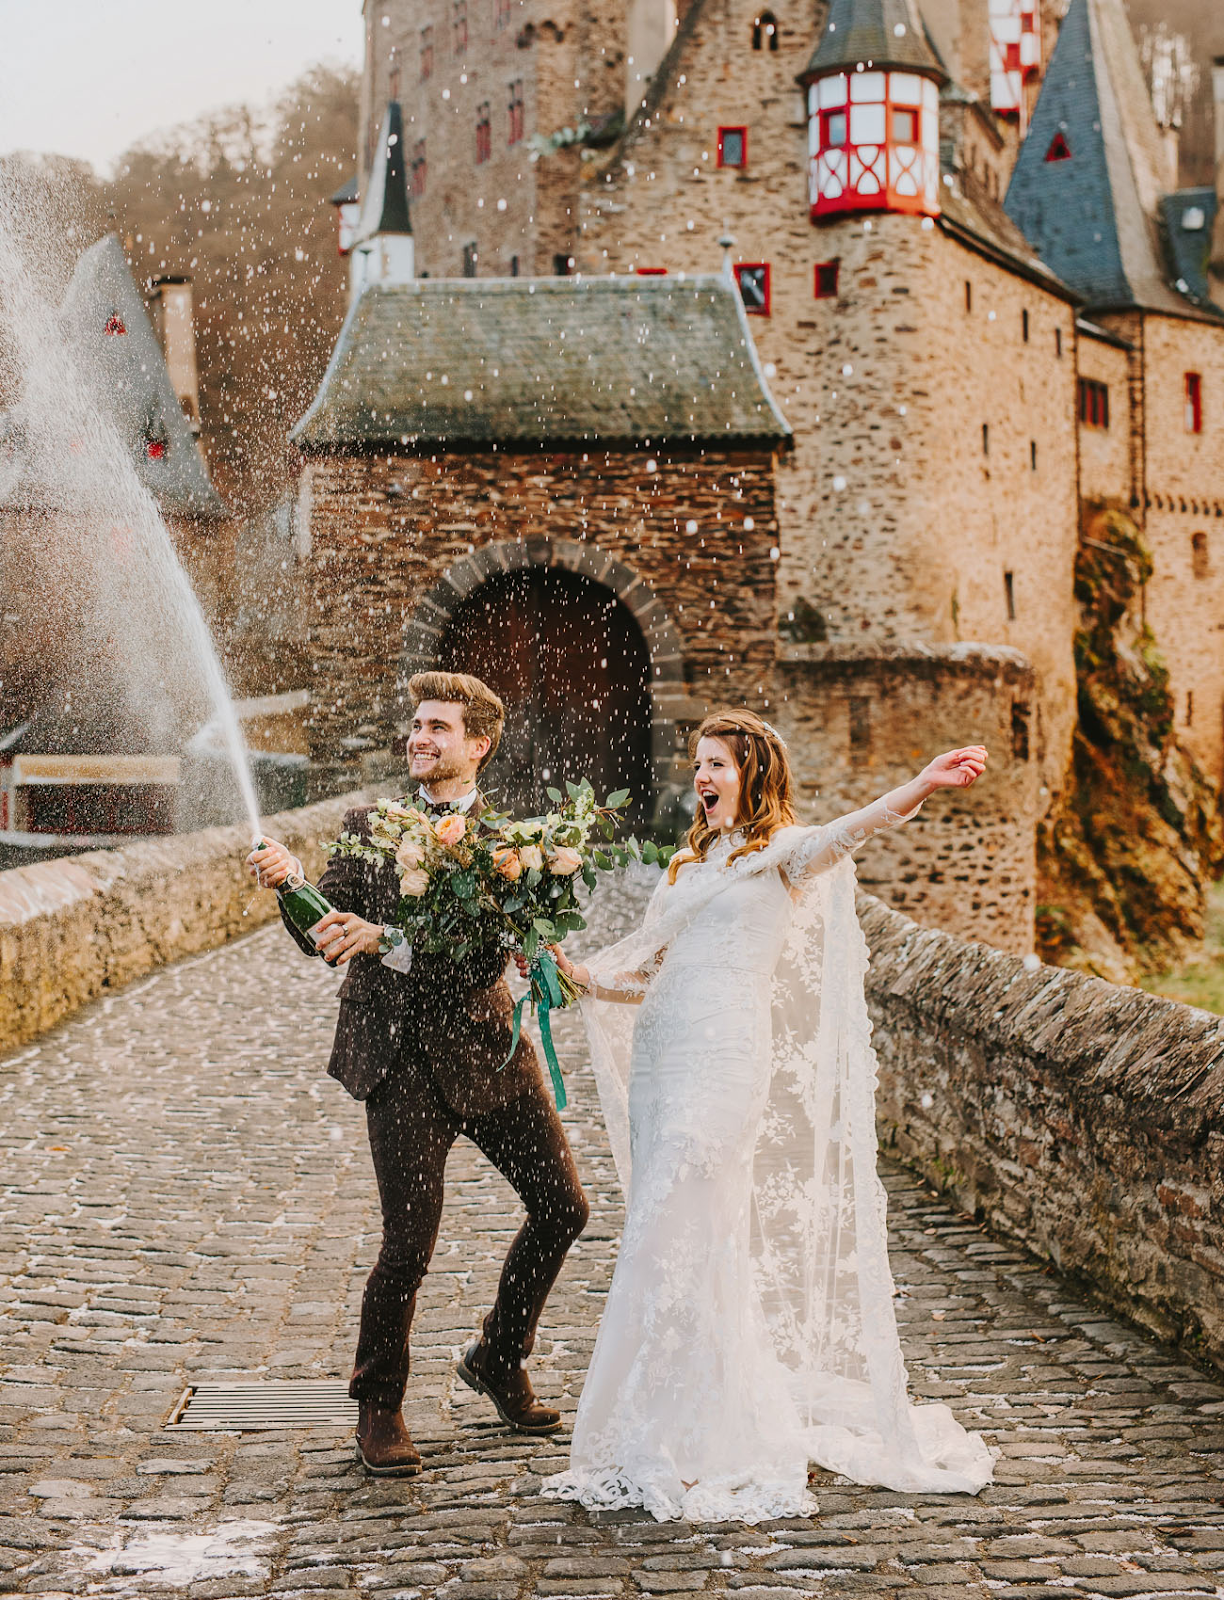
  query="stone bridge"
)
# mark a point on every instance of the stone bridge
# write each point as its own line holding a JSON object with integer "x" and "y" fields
{"x": 187, "y": 1199}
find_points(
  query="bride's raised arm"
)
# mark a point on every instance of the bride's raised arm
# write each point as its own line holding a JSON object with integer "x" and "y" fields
{"x": 822, "y": 847}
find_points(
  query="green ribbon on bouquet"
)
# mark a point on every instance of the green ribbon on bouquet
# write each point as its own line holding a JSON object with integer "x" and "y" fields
{"x": 545, "y": 995}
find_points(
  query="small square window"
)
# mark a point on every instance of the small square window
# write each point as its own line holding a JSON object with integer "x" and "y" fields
{"x": 733, "y": 147}
{"x": 469, "y": 261}
{"x": 826, "y": 279}
{"x": 832, "y": 129}
{"x": 904, "y": 125}
{"x": 753, "y": 280}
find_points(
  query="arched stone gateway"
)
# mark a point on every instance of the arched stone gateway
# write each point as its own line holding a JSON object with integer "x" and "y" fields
{"x": 585, "y": 656}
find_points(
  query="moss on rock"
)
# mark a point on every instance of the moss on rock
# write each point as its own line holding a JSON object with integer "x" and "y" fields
{"x": 1124, "y": 858}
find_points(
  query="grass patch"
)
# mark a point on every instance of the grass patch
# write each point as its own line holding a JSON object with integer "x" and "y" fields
{"x": 1199, "y": 981}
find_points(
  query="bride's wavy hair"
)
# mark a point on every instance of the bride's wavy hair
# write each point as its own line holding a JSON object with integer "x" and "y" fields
{"x": 766, "y": 786}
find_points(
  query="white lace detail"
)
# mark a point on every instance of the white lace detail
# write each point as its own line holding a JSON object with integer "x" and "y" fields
{"x": 749, "y": 1328}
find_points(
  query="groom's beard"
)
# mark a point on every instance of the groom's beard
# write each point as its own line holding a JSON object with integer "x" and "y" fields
{"x": 441, "y": 770}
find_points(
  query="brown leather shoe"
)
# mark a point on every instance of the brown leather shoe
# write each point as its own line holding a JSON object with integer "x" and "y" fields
{"x": 383, "y": 1443}
{"x": 513, "y": 1397}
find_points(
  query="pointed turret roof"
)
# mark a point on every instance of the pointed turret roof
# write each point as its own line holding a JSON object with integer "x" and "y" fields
{"x": 122, "y": 363}
{"x": 385, "y": 207}
{"x": 1087, "y": 185}
{"x": 886, "y": 33}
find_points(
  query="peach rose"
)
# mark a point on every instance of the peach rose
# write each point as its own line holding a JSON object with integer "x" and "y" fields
{"x": 564, "y": 860}
{"x": 506, "y": 861}
{"x": 450, "y": 830}
{"x": 532, "y": 857}
{"x": 413, "y": 882}
{"x": 410, "y": 854}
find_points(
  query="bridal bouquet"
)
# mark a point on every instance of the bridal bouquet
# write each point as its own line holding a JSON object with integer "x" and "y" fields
{"x": 468, "y": 881}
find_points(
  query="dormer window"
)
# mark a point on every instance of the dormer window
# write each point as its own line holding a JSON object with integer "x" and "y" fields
{"x": 114, "y": 324}
{"x": 1059, "y": 149}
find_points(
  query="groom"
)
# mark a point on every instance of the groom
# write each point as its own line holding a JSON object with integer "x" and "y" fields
{"x": 423, "y": 1048}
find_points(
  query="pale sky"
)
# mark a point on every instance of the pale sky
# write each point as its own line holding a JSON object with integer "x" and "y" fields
{"x": 88, "y": 77}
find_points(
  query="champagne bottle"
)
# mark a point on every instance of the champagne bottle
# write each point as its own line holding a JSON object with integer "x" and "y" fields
{"x": 301, "y": 902}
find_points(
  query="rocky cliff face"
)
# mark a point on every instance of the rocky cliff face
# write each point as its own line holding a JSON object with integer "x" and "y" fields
{"x": 1123, "y": 859}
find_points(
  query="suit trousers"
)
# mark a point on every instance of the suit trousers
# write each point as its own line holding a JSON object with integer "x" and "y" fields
{"x": 411, "y": 1132}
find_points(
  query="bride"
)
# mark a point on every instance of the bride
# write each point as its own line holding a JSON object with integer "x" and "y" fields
{"x": 749, "y": 1328}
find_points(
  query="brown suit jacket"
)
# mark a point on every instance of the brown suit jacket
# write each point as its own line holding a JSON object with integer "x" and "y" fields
{"x": 448, "y": 1022}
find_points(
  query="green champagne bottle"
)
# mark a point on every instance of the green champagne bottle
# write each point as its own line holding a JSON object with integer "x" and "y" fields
{"x": 301, "y": 902}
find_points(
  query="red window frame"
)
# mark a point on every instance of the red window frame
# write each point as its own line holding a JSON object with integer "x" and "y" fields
{"x": 825, "y": 276}
{"x": 459, "y": 17}
{"x": 501, "y": 14}
{"x": 427, "y": 62}
{"x": 419, "y": 169}
{"x": 516, "y": 127}
{"x": 739, "y": 165}
{"x": 1194, "y": 402}
{"x": 484, "y": 134}
{"x": 913, "y": 122}
{"x": 1093, "y": 403}
{"x": 651, "y": 272}
{"x": 827, "y": 141}
{"x": 755, "y": 266}
{"x": 1059, "y": 149}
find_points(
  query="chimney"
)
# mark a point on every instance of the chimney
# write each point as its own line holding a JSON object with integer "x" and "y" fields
{"x": 650, "y": 27}
{"x": 1216, "y": 259}
{"x": 176, "y": 323}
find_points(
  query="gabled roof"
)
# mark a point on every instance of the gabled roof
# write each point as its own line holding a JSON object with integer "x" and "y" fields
{"x": 882, "y": 33}
{"x": 516, "y": 361}
{"x": 1087, "y": 183}
{"x": 385, "y": 207}
{"x": 125, "y": 371}
{"x": 346, "y": 194}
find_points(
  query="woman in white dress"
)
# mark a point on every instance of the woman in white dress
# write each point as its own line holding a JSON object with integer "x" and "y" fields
{"x": 749, "y": 1328}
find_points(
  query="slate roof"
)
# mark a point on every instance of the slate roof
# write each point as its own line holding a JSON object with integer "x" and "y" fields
{"x": 127, "y": 375}
{"x": 562, "y": 360}
{"x": 1094, "y": 217}
{"x": 887, "y": 33}
{"x": 1187, "y": 249}
{"x": 385, "y": 206}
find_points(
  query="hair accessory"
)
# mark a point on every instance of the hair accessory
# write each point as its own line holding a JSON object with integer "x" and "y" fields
{"x": 769, "y": 727}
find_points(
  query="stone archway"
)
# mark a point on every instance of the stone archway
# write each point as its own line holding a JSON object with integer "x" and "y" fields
{"x": 430, "y": 637}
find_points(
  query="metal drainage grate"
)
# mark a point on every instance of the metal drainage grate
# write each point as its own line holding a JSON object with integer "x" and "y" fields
{"x": 249, "y": 1407}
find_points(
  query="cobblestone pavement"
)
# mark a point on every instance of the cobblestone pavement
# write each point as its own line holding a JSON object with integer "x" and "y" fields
{"x": 185, "y": 1196}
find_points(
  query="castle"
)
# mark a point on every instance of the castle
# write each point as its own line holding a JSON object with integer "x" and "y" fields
{"x": 979, "y": 311}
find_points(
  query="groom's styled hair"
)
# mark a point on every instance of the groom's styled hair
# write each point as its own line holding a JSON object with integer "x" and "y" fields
{"x": 484, "y": 715}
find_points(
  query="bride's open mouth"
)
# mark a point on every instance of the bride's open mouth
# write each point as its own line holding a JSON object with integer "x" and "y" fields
{"x": 709, "y": 799}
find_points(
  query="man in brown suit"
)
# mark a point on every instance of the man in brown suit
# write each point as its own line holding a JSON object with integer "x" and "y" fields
{"x": 421, "y": 1039}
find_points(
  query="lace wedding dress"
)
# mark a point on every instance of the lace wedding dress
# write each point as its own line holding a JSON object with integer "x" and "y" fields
{"x": 749, "y": 1328}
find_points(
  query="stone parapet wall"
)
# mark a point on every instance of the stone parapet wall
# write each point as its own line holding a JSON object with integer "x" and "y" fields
{"x": 72, "y": 929}
{"x": 861, "y": 720}
{"x": 1082, "y": 1119}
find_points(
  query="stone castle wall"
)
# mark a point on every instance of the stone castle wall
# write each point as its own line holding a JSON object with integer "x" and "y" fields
{"x": 1105, "y": 458}
{"x": 73, "y": 929}
{"x": 1184, "y": 508}
{"x": 861, "y": 722}
{"x": 899, "y": 519}
{"x": 386, "y": 530}
{"x": 1084, "y": 1120}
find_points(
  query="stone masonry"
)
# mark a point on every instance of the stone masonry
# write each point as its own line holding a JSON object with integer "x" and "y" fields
{"x": 188, "y": 1198}
{"x": 387, "y": 529}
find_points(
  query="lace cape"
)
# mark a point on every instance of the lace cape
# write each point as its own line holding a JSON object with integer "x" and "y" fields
{"x": 819, "y": 1246}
